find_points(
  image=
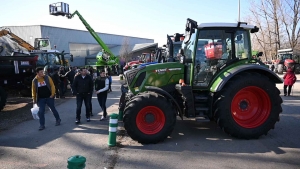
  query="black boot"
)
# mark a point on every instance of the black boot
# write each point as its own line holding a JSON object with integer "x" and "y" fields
{"x": 77, "y": 121}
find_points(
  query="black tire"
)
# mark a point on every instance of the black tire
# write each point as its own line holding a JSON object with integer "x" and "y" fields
{"x": 149, "y": 104}
{"x": 3, "y": 98}
{"x": 260, "y": 101}
{"x": 280, "y": 69}
{"x": 297, "y": 68}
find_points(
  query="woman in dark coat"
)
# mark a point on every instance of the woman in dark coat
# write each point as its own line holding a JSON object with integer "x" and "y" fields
{"x": 289, "y": 80}
{"x": 101, "y": 87}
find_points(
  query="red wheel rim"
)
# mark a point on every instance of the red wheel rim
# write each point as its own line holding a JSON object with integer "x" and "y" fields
{"x": 250, "y": 107}
{"x": 150, "y": 120}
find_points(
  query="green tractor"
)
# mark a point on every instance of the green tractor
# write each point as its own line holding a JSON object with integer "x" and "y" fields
{"x": 217, "y": 79}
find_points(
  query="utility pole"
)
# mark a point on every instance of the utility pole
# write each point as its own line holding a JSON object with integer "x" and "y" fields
{"x": 239, "y": 11}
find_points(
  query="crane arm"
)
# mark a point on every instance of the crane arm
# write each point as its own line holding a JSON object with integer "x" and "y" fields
{"x": 17, "y": 39}
{"x": 93, "y": 33}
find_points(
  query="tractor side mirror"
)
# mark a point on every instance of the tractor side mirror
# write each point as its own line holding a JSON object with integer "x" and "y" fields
{"x": 191, "y": 25}
{"x": 259, "y": 54}
{"x": 254, "y": 30}
{"x": 170, "y": 46}
{"x": 71, "y": 57}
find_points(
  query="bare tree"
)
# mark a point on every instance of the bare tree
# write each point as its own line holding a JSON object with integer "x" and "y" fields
{"x": 290, "y": 17}
{"x": 264, "y": 14}
{"x": 125, "y": 52}
{"x": 278, "y": 21}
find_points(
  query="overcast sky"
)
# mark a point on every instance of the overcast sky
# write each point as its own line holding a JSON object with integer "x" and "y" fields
{"x": 152, "y": 19}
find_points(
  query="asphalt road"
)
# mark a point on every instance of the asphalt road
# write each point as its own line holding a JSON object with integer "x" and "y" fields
{"x": 192, "y": 144}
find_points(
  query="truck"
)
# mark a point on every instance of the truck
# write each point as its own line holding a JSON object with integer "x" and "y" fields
{"x": 287, "y": 58}
{"x": 105, "y": 56}
{"x": 236, "y": 91}
{"x": 18, "y": 70}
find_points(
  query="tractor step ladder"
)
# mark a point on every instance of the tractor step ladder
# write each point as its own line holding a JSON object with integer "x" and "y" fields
{"x": 201, "y": 106}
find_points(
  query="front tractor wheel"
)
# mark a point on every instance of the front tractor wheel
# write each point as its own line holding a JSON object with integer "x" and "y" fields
{"x": 248, "y": 106}
{"x": 3, "y": 98}
{"x": 149, "y": 118}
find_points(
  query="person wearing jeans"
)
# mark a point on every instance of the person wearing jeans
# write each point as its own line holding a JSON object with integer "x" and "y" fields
{"x": 83, "y": 88}
{"x": 43, "y": 92}
{"x": 42, "y": 102}
{"x": 101, "y": 87}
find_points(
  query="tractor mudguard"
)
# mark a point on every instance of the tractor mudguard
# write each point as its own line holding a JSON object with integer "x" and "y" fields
{"x": 167, "y": 95}
{"x": 225, "y": 76}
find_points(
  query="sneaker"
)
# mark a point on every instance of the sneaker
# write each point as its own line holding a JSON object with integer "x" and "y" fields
{"x": 103, "y": 118}
{"x": 77, "y": 121}
{"x": 88, "y": 119}
{"x": 41, "y": 127}
{"x": 57, "y": 122}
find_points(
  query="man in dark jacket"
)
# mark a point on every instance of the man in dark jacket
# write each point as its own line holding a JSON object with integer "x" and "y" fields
{"x": 71, "y": 75}
{"x": 56, "y": 81}
{"x": 62, "y": 85}
{"x": 83, "y": 88}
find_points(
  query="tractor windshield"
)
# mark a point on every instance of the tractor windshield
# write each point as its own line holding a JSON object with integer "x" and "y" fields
{"x": 218, "y": 44}
{"x": 210, "y": 49}
{"x": 222, "y": 44}
{"x": 176, "y": 47}
{"x": 284, "y": 56}
{"x": 53, "y": 59}
{"x": 47, "y": 58}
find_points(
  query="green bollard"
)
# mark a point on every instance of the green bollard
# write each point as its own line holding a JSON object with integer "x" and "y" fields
{"x": 76, "y": 162}
{"x": 120, "y": 115}
{"x": 113, "y": 124}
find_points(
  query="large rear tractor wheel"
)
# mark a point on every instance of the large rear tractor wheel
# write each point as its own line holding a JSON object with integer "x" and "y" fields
{"x": 248, "y": 106}
{"x": 3, "y": 97}
{"x": 149, "y": 118}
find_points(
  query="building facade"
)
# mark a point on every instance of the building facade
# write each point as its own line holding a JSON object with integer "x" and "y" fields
{"x": 80, "y": 43}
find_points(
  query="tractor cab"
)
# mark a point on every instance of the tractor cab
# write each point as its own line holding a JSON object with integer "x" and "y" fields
{"x": 50, "y": 59}
{"x": 42, "y": 44}
{"x": 208, "y": 48}
{"x": 173, "y": 46}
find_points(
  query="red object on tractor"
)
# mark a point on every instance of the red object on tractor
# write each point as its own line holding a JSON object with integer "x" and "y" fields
{"x": 213, "y": 50}
{"x": 130, "y": 64}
